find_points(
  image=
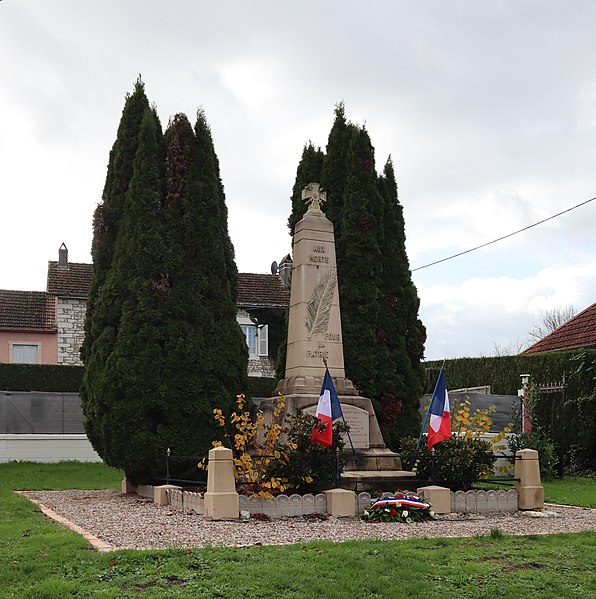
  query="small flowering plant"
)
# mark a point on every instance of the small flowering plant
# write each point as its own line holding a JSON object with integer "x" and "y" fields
{"x": 402, "y": 507}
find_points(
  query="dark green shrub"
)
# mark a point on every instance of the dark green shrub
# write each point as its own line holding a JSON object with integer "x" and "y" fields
{"x": 458, "y": 462}
{"x": 259, "y": 386}
{"x": 41, "y": 377}
{"x": 310, "y": 467}
{"x": 538, "y": 441}
{"x": 565, "y": 416}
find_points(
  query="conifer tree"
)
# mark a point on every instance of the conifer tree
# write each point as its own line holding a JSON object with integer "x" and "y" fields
{"x": 334, "y": 178}
{"x": 383, "y": 337}
{"x": 309, "y": 169}
{"x": 121, "y": 388}
{"x": 360, "y": 275}
{"x": 107, "y": 217}
{"x": 401, "y": 330}
{"x": 175, "y": 351}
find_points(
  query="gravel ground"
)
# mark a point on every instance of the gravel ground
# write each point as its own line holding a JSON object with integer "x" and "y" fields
{"x": 129, "y": 521}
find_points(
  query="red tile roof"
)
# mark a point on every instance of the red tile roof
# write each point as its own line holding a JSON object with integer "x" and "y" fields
{"x": 258, "y": 291}
{"x": 27, "y": 310}
{"x": 72, "y": 281}
{"x": 578, "y": 332}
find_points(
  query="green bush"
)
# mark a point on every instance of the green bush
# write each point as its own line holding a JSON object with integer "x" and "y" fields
{"x": 458, "y": 462}
{"x": 41, "y": 377}
{"x": 538, "y": 441}
{"x": 310, "y": 467}
{"x": 259, "y": 386}
{"x": 566, "y": 416}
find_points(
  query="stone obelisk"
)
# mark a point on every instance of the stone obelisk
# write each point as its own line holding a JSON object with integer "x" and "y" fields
{"x": 314, "y": 329}
{"x": 314, "y": 326}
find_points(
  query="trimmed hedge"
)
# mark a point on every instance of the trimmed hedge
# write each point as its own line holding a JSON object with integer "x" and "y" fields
{"x": 41, "y": 377}
{"x": 502, "y": 373}
{"x": 68, "y": 379}
{"x": 261, "y": 386}
{"x": 566, "y": 417}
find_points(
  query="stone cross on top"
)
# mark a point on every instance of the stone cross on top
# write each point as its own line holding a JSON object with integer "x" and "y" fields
{"x": 314, "y": 196}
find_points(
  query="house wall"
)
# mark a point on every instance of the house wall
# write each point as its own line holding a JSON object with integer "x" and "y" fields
{"x": 261, "y": 366}
{"x": 46, "y": 341}
{"x": 70, "y": 319}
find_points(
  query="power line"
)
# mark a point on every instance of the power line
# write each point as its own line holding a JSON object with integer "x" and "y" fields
{"x": 504, "y": 236}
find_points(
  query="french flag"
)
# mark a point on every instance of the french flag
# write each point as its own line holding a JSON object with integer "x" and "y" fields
{"x": 439, "y": 427}
{"x": 328, "y": 410}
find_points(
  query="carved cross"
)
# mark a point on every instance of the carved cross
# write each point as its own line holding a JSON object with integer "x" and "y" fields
{"x": 314, "y": 196}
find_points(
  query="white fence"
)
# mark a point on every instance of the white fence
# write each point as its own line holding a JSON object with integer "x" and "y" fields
{"x": 46, "y": 448}
{"x": 466, "y": 502}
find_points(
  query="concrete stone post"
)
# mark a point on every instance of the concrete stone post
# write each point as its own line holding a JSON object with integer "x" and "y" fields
{"x": 127, "y": 486}
{"x": 221, "y": 500}
{"x": 438, "y": 497}
{"x": 529, "y": 488}
{"x": 160, "y": 494}
{"x": 341, "y": 503}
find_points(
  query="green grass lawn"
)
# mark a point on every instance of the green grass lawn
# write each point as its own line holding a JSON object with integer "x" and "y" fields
{"x": 571, "y": 490}
{"x": 40, "y": 559}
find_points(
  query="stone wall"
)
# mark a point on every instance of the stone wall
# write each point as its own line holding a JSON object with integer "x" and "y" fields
{"x": 70, "y": 319}
{"x": 262, "y": 366}
{"x": 469, "y": 502}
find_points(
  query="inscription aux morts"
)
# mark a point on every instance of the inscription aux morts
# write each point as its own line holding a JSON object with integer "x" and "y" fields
{"x": 318, "y": 255}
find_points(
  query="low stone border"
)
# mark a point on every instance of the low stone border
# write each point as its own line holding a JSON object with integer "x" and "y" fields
{"x": 96, "y": 543}
{"x": 484, "y": 502}
{"x": 462, "y": 502}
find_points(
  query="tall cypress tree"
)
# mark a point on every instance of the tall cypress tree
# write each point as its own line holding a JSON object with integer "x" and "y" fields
{"x": 121, "y": 397}
{"x": 400, "y": 328}
{"x": 334, "y": 177}
{"x": 360, "y": 276}
{"x": 108, "y": 214}
{"x": 175, "y": 351}
{"x": 309, "y": 169}
{"x": 204, "y": 363}
{"x": 383, "y": 337}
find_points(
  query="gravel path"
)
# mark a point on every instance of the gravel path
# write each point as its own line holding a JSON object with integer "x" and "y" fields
{"x": 129, "y": 521}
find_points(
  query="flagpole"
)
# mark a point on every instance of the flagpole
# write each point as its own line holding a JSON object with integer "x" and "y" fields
{"x": 342, "y": 414}
{"x": 428, "y": 411}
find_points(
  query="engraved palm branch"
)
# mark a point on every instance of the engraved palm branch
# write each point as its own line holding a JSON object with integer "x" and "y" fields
{"x": 319, "y": 307}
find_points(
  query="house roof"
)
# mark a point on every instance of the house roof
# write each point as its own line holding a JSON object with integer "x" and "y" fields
{"x": 27, "y": 310}
{"x": 578, "y": 332}
{"x": 74, "y": 280}
{"x": 254, "y": 290}
{"x": 260, "y": 291}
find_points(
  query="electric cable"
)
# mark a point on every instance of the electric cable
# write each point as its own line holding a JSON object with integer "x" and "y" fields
{"x": 504, "y": 236}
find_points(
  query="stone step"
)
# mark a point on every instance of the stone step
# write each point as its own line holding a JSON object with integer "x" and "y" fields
{"x": 373, "y": 459}
{"x": 381, "y": 480}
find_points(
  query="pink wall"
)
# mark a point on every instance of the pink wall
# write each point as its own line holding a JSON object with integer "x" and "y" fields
{"x": 48, "y": 341}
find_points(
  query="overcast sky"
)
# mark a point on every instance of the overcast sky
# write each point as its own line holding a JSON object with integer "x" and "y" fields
{"x": 487, "y": 108}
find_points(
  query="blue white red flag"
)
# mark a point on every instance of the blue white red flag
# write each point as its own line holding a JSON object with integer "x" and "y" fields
{"x": 401, "y": 501}
{"x": 439, "y": 428}
{"x": 328, "y": 410}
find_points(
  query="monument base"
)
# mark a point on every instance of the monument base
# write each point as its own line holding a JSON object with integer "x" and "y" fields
{"x": 311, "y": 385}
{"x": 367, "y": 453}
{"x": 380, "y": 480}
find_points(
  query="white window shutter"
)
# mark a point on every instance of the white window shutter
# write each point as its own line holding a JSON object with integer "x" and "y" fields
{"x": 25, "y": 354}
{"x": 263, "y": 341}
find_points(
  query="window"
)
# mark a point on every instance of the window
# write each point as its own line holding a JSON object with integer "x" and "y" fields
{"x": 25, "y": 353}
{"x": 256, "y": 339}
